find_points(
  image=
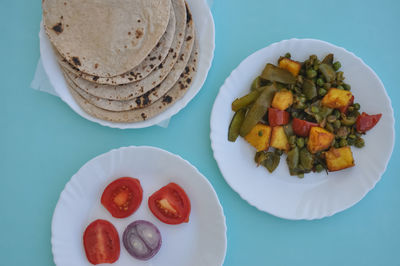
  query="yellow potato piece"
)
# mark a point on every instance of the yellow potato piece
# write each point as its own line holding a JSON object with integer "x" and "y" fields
{"x": 279, "y": 139}
{"x": 338, "y": 159}
{"x": 282, "y": 100}
{"x": 259, "y": 137}
{"x": 336, "y": 98}
{"x": 319, "y": 139}
{"x": 290, "y": 65}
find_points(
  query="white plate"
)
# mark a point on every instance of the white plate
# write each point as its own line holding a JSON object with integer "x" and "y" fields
{"x": 317, "y": 195}
{"x": 204, "y": 25}
{"x": 201, "y": 241}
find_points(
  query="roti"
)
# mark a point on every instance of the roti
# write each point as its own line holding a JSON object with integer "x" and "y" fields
{"x": 135, "y": 89}
{"x": 180, "y": 68}
{"x": 105, "y": 38}
{"x": 156, "y": 56}
{"x": 167, "y": 100}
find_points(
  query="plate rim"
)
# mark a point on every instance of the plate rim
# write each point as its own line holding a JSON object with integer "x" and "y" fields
{"x": 146, "y": 147}
{"x": 213, "y": 119}
{"x": 171, "y": 111}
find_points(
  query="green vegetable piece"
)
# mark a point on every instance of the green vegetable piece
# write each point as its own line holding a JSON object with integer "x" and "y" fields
{"x": 328, "y": 59}
{"x": 293, "y": 158}
{"x": 314, "y": 109}
{"x": 288, "y": 55}
{"x": 328, "y": 72}
{"x": 309, "y": 89}
{"x": 343, "y": 143}
{"x": 306, "y": 159}
{"x": 258, "y": 109}
{"x": 346, "y": 86}
{"x": 256, "y": 83}
{"x": 269, "y": 160}
{"x": 331, "y": 119}
{"x": 337, "y": 65}
{"x": 245, "y": 101}
{"x": 356, "y": 106}
{"x": 300, "y": 142}
{"x": 274, "y": 73}
{"x": 322, "y": 92}
{"x": 359, "y": 143}
{"x": 337, "y": 124}
{"x": 311, "y": 73}
{"x": 320, "y": 82}
{"x": 348, "y": 121}
{"x": 288, "y": 129}
{"x": 235, "y": 125}
{"x": 319, "y": 168}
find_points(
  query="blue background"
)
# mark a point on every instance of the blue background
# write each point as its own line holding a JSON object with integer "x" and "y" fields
{"x": 43, "y": 142}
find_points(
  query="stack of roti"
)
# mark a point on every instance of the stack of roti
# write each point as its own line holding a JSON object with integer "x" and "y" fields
{"x": 123, "y": 60}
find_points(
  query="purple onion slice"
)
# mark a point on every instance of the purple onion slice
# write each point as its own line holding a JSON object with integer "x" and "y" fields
{"x": 142, "y": 239}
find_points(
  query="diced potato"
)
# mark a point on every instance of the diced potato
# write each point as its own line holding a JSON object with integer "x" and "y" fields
{"x": 290, "y": 65}
{"x": 338, "y": 159}
{"x": 279, "y": 139}
{"x": 282, "y": 100}
{"x": 336, "y": 98}
{"x": 259, "y": 137}
{"x": 319, "y": 139}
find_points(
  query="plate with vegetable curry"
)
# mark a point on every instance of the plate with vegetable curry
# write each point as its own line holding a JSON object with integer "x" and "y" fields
{"x": 302, "y": 129}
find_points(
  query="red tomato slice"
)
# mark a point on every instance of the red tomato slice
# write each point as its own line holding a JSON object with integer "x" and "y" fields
{"x": 170, "y": 204}
{"x": 101, "y": 242}
{"x": 122, "y": 197}
{"x": 302, "y": 127}
{"x": 277, "y": 117}
{"x": 365, "y": 121}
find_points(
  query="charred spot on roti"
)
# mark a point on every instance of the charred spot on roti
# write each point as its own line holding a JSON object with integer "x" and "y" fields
{"x": 159, "y": 57}
{"x": 138, "y": 20}
{"x": 129, "y": 33}
{"x": 181, "y": 57}
{"x": 160, "y": 66}
{"x": 167, "y": 99}
{"x": 158, "y": 45}
{"x": 151, "y": 66}
{"x": 152, "y": 58}
{"x": 138, "y": 101}
{"x": 188, "y": 80}
{"x": 187, "y": 69}
{"x": 143, "y": 116}
{"x": 76, "y": 61}
{"x": 58, "y": 28}
{"x": 139, "y": 33}
{"x": 189, "y": 38}
{"x": 188, "y": 14}
{"x": 174, "y": 56}
{"x": 65, "y": 3}
{"x": 96, "y": 78}
{"x": 130, "y": 79}
{"x": 62, "y": 17}
{"x": 171, "y": 50}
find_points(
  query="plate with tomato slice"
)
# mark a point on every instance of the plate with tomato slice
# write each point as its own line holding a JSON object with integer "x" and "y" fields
{"x": 317, "y": 195}
{"x": 138, "y": 206}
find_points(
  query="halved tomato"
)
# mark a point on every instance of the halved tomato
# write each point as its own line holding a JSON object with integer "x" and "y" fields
{"x": 101, "y": 242}
{"x": 170, "y": 204}
{"x": 122, "y": 197}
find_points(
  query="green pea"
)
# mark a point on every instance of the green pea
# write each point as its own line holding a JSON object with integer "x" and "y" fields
{"x": 346, "y": 86}
{"x": 340, "y": 87}
{"x": 356, "y": 106}
{"x": 320, "y": 82}
{"x": 295, "y": 114}
{"x": 337, "y": 65}
{"x": 350, "y": 141}
{"x": 329, "y": 127}
{"x": 300, "y": 142}
{"x": 300, "y": 105}
{"x": 352, "y": 136}
{"x": 327, "y": 86}
{"x": 314, "y": 109}
{"x": 311, "y": 73}
{"x": 292, "y": 139}
{"x": 331, "y": 118}
{"x": 305, "y": 141}
{"x": 319, "y": 168}
{"x": 339, "y": 75}
{"x": 322, "y": 91}
{"x": 301, "y": 175}
{"x": 359, "y": 143}
{"x": 336, "y": 145}
{"x": 337, "y": 124}
{"x": 336, "y": 113}
{"x": 302, "y": 99}
{"x": 350, "y": 109}
{"x": 288, "y": 55}
{"x": 343, "y": 142}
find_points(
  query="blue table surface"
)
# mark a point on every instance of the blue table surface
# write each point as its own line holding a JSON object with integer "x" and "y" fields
{"x": 43, "y": 142}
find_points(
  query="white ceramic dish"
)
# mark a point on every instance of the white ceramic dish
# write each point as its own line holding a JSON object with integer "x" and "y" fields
{"x": 201, "y": 241}
{"x": 205, "y": 29}
{"x": 317, "y": 195}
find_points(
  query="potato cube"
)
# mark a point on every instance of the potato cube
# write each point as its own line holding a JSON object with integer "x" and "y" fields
{"x": 336, "y": 98}
{"x": 319, "y": 139}
{"x": 279, "y": 139}
{"x": 290, "y": 65}
{"x": 259, "y": 137}
{"x": 338, "y": 159}
{"x": 282, "y": 100}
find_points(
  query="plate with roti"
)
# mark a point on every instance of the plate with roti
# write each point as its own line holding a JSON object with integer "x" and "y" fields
{"x": 147, "y": 62}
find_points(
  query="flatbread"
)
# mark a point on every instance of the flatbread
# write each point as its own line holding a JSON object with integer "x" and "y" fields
{"x": 105, "y": 38}
{"x": 135, "y": 89}
{"x": 156, "y": 56}
{"x": 176, "y": 92}
{"x": 180, "y": 68}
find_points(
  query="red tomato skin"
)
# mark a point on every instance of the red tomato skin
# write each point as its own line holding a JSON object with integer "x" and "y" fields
{"x": 366, "y": 122}
{"x": 343, "y": 109}
{"x": 177, "y": 197}
{"x": 133, "y": 185}
{"x": 302, "y": 127}
{"x": 110, "y": 244}
{"x": 277, "y": 117}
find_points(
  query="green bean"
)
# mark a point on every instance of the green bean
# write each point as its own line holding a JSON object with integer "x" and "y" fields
{"x": 329, "y": 127}
{"x": 288, "y": 129}
{"x": 339, "y": 75}
{"x": 337, "y": 124}
{"x": 337, "y": 113}
{"x": 258, "y": 109}
{"x": 319, "y": 168}
{"x": 306, "y": 159}
{"x": 292, "y": 139}
{"x": 256, "y": 83}
{"x": 274, "y": 73}
{"x": 337, "y": 65}
{"x": 314, "y": 109}
{"x": 340, "y": 87}
{"x": 245, "y": 101}
{"x": 235, "y": 125}
{"x": 269, "y": 160}
{"x": 328, "y": 59}
{"x": 328, "y": 72}
{"x": 346, "y": 86}
{"x": 331, "y": 118}
{"x": 292, "y": 158}
{"x": 309, "y": 89}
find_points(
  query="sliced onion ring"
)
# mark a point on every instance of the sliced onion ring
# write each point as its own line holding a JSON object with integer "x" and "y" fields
{"x": 142, "y": 239}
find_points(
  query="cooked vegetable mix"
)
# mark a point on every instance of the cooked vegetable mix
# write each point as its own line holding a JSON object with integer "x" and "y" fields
{"x": 303, "y": 109}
